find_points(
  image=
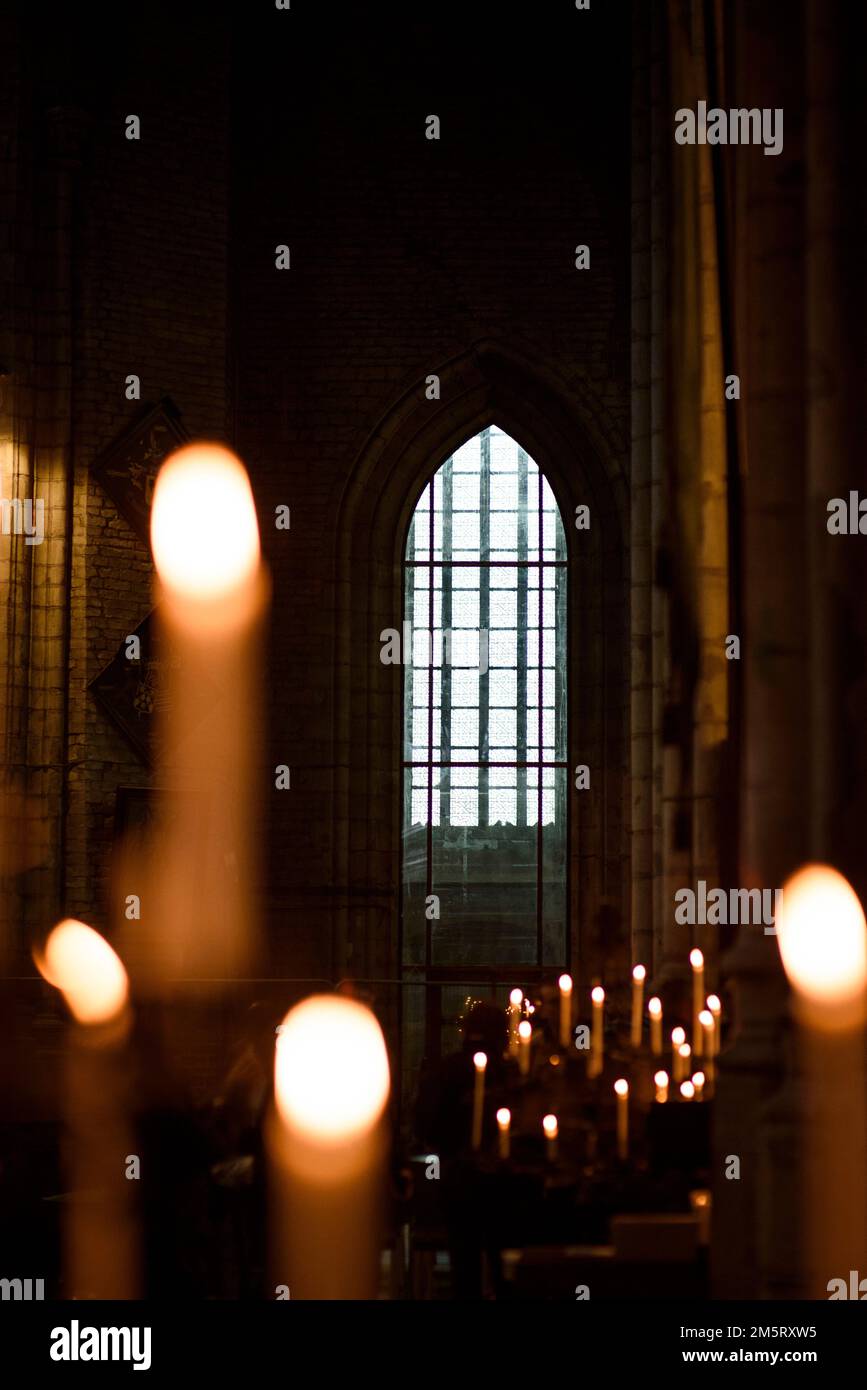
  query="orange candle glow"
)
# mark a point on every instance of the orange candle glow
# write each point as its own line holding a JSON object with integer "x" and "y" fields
{"x": 687, "y": 1090}
{"x": 698, "y": 1084}
{"x": 638, "y": 976}
{"x": 331, "y": 1087}
{"x": 661, "y": 1082}
{"x": 715, "y": 1009}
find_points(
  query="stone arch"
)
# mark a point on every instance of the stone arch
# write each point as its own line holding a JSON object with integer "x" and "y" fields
{"x": 566, "y": 429}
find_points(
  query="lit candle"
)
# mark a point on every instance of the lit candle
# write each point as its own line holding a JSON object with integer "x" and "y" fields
{"x": 211, "y": 596}
{"x": 504, "y": 1120}
{"x": 101, "y": 1252}
{"x": 638, "y": 975}
{"x": 621, "y": 1089}
{"x": 687, "y": 1090}
{"x": 678, "y": 1038}
{"x": 551, "y": 1128}
{"x": 654, "y": 1009}
{"x": 706, "y": 1020}
{"x": 331, "y": 1087}
{"x": 822, "y": 938}
{"x": 525, "y": 1033}
{"x": 597, "y": 997}
{"x": 684, "y": 1056}
{"x": 696, "y": 960}
{"x": 480, "y": 1061}
{"x": 565, "y": 1010}
{"x": 661, "y": 1082}
{"x": 516, "y": 999}
{"x": 715, "y": 1009}
{"x": 698, "y": 1084}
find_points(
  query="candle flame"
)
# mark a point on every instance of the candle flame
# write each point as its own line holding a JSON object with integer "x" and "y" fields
{"x": 550, "y": 1126}
{"x": 685, "y": 1050}
{"x": 525, "y": 1029}
{"x": 654, "y": 1007}
{"x": 517, "y": 996}
{"x": 687, "y": 1090}
{"x": 661, "y": 1078}
{"x": 822, "y": 938}
{"x": 504, "y": 1117}
{"x": 705, "y": 1018}
{"x": 639, "y": 973}
{"x": 480, "y": 1061}
{"x": 598, "y": 995}
{"x": 678, "y": 1037}
{"x": 696, "y": 959}
{"x": 713, "y": 1003}
{"x": 698, "y": 1079}
{"x": 204, "y": 534}
{"x": 90, "y": 975}
{"x": 565, "y": 983}
{"x": 622, "y": 1086}
{"x": 331, "y": 1074}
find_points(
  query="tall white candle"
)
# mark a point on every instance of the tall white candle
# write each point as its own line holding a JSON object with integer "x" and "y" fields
{"x": 552, "y": 1129}
{"x": 480, "y": 1061}
{"x": 565, "y": 1010}
{"x": 597, "y": 998}
{"x": 516, "y": 999}
{"x": 638, "y": 976}
{"x": 698, "y": 1084}
{"x": 211, "y": 597}
{"x": 715, "y": 1008}
{"x": 327, "y": 1150}
{"x": 101, "y": 1249}
{"x": 661, "y": 1082}
{"x": 504, "y": 1121}
{"x": 822, "y": 938}
{"x": 525, "y": 1034}
{"x": 696, "y": 960}
{"x": 654, "y": 1010}
{"x": 621, "y": 1090}
{"x": 678, "y": 1038}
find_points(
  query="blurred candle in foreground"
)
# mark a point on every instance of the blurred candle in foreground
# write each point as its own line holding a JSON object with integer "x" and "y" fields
{"x": 552, "y": 1129}
{"x": 696, "y": 960}
{"x": 331, "y": 1086}
{"x": 597, "y": 998}
{"x": 480, "y": 1061}
{"x": 654, "y": 1009}
{"x": 678, "y": 1038}
{"x": 100, "y": 1236}
{"x": 565, "y": 1010}
{"x": 638, "y": 976}
{"x": 504, "y": 1120}
{"x": 822, "y": 938}
{"x": 621, "y": 1090}
{"x": 715, "y": 1010}
{"x": 661, "y": 1082}
{"x": 525, "y": 1033}
{"x": 211, "y": 597}
{"x": 516, "y": 999}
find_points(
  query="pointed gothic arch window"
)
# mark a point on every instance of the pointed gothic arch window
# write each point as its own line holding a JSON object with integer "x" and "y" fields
{"x": 484, "y": 836}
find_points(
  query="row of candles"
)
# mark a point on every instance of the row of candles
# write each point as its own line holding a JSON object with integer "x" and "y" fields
{"x": 331, "y": 1073}
{"x": 707, "y": 1011}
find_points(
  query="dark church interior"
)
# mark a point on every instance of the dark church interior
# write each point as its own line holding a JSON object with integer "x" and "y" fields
{"x": 433, "y": 652}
